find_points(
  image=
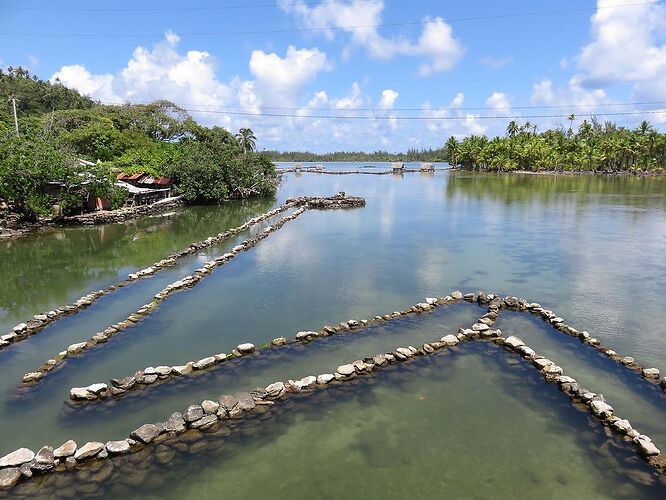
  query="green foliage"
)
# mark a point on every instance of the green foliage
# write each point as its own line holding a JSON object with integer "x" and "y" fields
{"x": 246, "y": 139}
{"x": 211, "y": 171}
{"x": 36, "y": 173}
{"x": 594, "y": 147}
{"x": 118, "y": 197}
{"x": 385, "y": 156}
{"x": 58, "y": 126}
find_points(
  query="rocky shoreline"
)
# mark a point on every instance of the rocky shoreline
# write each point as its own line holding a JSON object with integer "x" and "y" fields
{"x": 12, "y": 227}
{"x": 220, "y": 413}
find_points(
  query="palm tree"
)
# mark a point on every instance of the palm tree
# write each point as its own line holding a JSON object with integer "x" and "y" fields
{"x": 451, "y": 149}
{"x": 512, "y": 129}
{"x": 571, "y": 119}
{"x": 246, "y": 139}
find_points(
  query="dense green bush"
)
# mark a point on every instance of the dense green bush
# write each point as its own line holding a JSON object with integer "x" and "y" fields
{"x": 29, "y": 166}
{"x": 58, "y": 126}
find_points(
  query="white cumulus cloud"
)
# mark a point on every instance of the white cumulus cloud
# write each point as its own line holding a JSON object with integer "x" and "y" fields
{"x": 436, "y": 44}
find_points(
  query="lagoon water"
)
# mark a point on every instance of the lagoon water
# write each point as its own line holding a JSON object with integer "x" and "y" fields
{"x": 590, "y": 248}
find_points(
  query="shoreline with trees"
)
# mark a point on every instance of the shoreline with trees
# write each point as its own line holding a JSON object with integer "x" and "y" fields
{"x": 64, "y": 148}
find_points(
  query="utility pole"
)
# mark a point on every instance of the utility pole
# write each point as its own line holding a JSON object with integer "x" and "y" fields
{"x": 15, "y": 117}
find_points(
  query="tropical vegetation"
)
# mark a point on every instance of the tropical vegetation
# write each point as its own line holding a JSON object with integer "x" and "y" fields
{"x": 429, "y": 155}
{"x": 593, "y": 147}
{"x": 58, "y": 127}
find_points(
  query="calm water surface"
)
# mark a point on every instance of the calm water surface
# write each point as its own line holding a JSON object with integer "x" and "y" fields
{"x": 590, "y": 248}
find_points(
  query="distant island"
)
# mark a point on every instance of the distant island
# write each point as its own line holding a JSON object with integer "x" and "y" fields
{"x": 427, "y": 155}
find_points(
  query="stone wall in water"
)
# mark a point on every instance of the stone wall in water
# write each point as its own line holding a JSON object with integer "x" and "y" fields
{"x": 215, "y": 417}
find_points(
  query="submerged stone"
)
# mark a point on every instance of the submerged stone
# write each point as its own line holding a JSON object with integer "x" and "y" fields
{"x": 9, "y": 477}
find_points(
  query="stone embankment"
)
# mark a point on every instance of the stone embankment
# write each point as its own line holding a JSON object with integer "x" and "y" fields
{"x": 314, "y": 170}
{"x": 39, "y": 321}
{"x": 319, "y": 203}
{"x": 12, "y": 227}
{"x": 222, "y": 411}
{"x": 153, "y": 376}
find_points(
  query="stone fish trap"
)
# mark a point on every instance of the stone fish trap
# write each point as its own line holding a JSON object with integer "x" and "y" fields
{"x": 24, "y": 462}
{"x": 39, "y": 321}
{"x": 341, "y": 200}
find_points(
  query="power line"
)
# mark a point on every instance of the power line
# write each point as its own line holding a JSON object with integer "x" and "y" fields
{"x": 463, "y": 108}
{"x": 413, "y": 118}
{"x": 174, "y": 9}
{"x": 332, "y": 28}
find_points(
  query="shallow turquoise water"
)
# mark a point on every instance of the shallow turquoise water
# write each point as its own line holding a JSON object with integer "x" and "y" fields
{"x": 589, "y": 248}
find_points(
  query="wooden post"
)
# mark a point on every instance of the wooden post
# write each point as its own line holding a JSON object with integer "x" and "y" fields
{"x": 15, "y": 117}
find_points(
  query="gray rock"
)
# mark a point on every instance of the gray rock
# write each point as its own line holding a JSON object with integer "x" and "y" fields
{"x": 182, "y": 369}
{"x": 204, "y": 363}
{"x": 621, "y": 425}
{"x": 646, "y": 446}
{"x": 210, "y": 407}
{"x": 450, "y": 340}
{"x": 457, "y": 295}
{"x": 553, "y": 370}
{"x": 176, "y": 423}
{"x": 662, "y": 383}
{"x": 651, "y": 373}
{"x": 279, "y": 341}
{"x": 542, "y": 363}
{"x": 146, "y": 433}
{"x": 245, "y": 401}
{"x": 346, "y": 370}
{"x": 76, "y": 348}
{"x": 88, "y": 450}
{"x": 125, "y": 383}
{"x": 163, "y": 371}
{"x": 147, "y": 379}
{"x": 304, "y": 383}
{"x": 480, "y": 327}
{"x": 67, "y": 449}
{"x": 193, "y": 412}
{"x": 276, "y": 390}
{"x": 601, "y": 409}
{"x": 9, "y": 477}
{"x": 627, "y": 360}
{"x": 81, "y": 393}
{"x": 17, "y": 457}
{"x": 306, "y": 335}
{"x": 526, "y": 351}
{"x": 325, "y": 378}
{"x": 31, "y": 377}
{"x": 117, "y": 447}
{"x": 204, "y": 422}
{"x": 513, "y": 342}
{"x": 97, "y": 388}
{"x": 43, "y": 459}
{"x": 405, "y": 352}
{"x": 246, "y": 348}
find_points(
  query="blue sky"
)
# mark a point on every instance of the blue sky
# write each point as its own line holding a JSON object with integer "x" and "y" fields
{"x": 435, "y": 58}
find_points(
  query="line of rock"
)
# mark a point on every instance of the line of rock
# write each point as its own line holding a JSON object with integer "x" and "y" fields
{"x": 153, "y": 376}
{"x": 39, "y": 321}
{"x": 187, "y": 282}
{"x": 25, "y": 463}
{"x": 304, "y": 203}
{"x": 514, "y": 303}
{"x": 595, "y": 403}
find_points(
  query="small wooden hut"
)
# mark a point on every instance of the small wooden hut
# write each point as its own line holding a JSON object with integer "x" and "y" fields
{"x": 398, "y": 167}
{"x": 427, "y": 167}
